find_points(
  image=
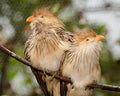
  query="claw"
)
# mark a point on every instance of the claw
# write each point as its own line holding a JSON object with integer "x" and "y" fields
{"x": 55, "y": 73}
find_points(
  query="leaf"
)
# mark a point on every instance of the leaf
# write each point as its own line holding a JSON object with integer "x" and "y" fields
{"x": 56, "y": 7}
{"x": 118, "y": 41}
{"x": 28, "y": 80}
{"x": 12, "y": 74}
{"x": 100, "y": 29}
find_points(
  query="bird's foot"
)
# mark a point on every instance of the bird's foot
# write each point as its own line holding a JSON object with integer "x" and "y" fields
{"x": 54, "y": 73}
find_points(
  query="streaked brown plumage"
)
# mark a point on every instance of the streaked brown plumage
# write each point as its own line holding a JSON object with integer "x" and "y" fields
{"x": 46, "y": 46}
{"x": 81, "y": 63}
{"x": 50, "y": 45}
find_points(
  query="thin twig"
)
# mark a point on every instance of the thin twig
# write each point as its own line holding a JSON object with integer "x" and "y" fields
{"x": 105, "y": 87}
{"x": 101, "y": 86}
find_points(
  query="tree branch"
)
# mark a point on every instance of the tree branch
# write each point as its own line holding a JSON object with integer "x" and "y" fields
{"x": 65, "y": 79}
{"x": 10, "y": 53}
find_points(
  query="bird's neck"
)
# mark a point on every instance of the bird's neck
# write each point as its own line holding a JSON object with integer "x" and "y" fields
{"x": 43, "y": 29}
{"x": 88, "y": 56}
{"x": 46, "y": 37}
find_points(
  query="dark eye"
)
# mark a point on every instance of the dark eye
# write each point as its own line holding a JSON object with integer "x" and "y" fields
{"x": 87, "y": 39}
{"x": 42, "y": 16}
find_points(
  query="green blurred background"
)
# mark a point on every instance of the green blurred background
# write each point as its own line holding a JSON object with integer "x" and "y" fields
{"x": 17, "y": 79}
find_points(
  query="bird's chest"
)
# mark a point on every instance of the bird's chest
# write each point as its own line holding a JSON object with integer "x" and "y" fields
{"x": 78, "y": 66}
{"x": 46, "y": 57}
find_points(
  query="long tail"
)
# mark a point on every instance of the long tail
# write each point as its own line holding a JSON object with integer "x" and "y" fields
{"x": 41, "y": 81}
{"x": 49, "y": 85}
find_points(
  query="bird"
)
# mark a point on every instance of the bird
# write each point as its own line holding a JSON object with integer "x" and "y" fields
{"x": 81, "y": 63}
{"x": 46, "y": 46}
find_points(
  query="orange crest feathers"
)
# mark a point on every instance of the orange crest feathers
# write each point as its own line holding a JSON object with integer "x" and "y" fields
{"x": 85, "y": 33}
{"x": 43, "y": 11}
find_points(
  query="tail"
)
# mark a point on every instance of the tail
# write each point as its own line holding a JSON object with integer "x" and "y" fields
{"x": 39, "y": 76}
{"x": 56, "y": 87}
{"x": 49, "y": 85}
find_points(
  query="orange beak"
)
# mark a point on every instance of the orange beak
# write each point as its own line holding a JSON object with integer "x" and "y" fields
{"x": 30, "y": 19}
{"x": 100, "y": 37}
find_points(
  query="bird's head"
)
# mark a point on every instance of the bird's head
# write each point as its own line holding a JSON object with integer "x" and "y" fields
{"x": 88, "y": 37}
{"x": 44, "y": 17}
{"x": 88, "y": 40}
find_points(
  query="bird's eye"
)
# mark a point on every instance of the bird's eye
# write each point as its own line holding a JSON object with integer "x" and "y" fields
{"x": 87, "y": 39}
{"x": 42, "y": 16}
{"x": 90, "y": 39}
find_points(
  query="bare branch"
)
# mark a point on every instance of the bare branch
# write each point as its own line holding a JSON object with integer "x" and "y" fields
{"x": 65, "y": 79}
{"x": 105, "y": 87}
{"x": 10, "y": 53}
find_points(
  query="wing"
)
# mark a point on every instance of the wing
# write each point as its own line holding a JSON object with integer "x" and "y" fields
{"x": 67, "y": 37}
{"x": 39, "y": 75}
